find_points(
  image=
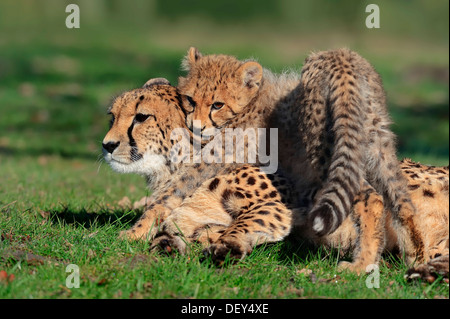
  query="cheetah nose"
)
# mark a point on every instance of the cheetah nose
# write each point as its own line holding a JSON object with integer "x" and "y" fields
{"x": 110, "y": 146}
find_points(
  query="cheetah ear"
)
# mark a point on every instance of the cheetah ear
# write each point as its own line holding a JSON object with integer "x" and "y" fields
{"x": 251, "y": 74}
{"x": 156, "y": 81}
{"x": 193, "y": 55}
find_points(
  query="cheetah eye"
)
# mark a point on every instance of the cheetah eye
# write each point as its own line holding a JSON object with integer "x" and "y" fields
{"x": 111, "y": 121}
{"x": 191, "y": 101}
{"x": 139, "y": 118}
{"x": 217, "y": 105}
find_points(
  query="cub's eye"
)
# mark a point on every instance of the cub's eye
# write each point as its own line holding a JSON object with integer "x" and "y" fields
{"x": 139, "y": 118}
{"x": 217, "y": 105}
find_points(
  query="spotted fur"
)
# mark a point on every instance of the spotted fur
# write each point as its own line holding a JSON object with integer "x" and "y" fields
{"x": 230, "y": 214}
{"x": 332, "y": 123}
{"x": 231, "y": 209}
{"x": 370, "y": 229}
{"x": 190, "y": 198}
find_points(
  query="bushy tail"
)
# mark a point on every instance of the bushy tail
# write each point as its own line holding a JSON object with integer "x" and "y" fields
{"x": 342, "y": 127}
{"x": 346, "y": 166}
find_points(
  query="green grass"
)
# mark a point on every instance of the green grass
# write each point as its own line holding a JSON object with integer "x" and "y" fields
{"x": 64, "y": 211}
{"x": 111, "y": 268}
{"x": 59, "y": 204}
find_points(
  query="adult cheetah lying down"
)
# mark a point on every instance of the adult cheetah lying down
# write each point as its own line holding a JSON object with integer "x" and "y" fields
{"x": 230, "y": 208}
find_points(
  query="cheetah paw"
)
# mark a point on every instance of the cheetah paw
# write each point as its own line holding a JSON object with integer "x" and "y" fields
{"x": 220, "y": 250}
{"x": 429, "y": 271}
{"x": 355, "y": 267}
{"x": 169, "y": 244}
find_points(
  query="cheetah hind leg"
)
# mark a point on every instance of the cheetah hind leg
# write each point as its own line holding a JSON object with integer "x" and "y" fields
{"x": 369, "y": 218}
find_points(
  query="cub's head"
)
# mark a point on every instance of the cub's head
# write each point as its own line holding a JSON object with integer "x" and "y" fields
{"x": 217, "y": 88}
{"x": 142, "y": 120}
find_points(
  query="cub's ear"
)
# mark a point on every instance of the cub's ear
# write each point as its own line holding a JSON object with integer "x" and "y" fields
{"x": 251, "y": 74}
{"x": 193, "y": 55}
{"x": 156, "y": 81}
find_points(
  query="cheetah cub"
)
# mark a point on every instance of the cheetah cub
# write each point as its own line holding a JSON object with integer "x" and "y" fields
{"x": 333, "y": 128}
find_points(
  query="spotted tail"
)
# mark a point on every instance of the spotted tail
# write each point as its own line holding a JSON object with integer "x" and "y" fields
{"x": 332, "y": 98}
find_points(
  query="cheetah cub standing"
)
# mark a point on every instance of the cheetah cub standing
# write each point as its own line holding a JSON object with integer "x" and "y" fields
{"x": 333, "y": 129}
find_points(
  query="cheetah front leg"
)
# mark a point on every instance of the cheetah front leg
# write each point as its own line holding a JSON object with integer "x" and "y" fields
{"x": 161, "y": 205}
{"x": 265, "y": 223}
{"x": 147, "y": 226}
{"x": 244, "y": 202}
{"x": 198, "y": 219}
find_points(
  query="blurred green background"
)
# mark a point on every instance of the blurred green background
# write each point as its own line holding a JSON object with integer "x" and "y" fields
{"x": 56, "y": 83}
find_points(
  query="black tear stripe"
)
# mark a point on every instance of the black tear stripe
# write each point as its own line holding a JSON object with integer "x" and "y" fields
{"x": 232, "y": 111}
{"x": 214, "y": 124}
{"x": 162, "y": 132}
{"x": 160, "y": 129}
{"x": 135, "y": 156}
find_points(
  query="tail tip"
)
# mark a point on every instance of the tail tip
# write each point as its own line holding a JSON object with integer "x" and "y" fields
{"x": 318, "y": 224}
{"x": 323, "y": 220}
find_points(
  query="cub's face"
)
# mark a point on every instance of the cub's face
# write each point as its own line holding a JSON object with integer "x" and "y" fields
{"x": 141, "y": 123}
{"x": 216, "y": 89}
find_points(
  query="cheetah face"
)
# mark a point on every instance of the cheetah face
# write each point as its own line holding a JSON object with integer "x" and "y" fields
{"x": 141, "y": 122}
{"x": 216, "y": 89}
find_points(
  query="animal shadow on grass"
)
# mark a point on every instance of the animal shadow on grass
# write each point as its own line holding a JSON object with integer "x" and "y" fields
{"x": 291, "y": 250}
{"x": 88, "y": 219}
{"x": 301, "y": 251}
{"x": 297, "y": 250}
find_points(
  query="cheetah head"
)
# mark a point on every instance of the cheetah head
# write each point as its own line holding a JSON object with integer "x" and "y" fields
{"x": 216, "y": 89}
{"x": 138, "y": 140}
